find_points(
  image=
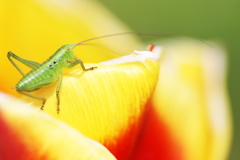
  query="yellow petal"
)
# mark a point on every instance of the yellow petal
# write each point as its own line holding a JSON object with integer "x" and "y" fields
{"x": 192, "y": 100}
{"x": 29, "y": 134}
{"x": 108, "y": 103}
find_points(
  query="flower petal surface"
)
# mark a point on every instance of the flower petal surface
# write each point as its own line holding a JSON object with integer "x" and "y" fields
{"x": 190, "y": 114}
{"x": 108, "y": 103}
{"x": 27, "y": 133}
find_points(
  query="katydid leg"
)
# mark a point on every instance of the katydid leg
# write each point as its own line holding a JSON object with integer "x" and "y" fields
{"x": 57, "y": 92}
{"x": 78, "y": 61}
{"x": 28, "y": 63}
{"x": 39, "y": 98}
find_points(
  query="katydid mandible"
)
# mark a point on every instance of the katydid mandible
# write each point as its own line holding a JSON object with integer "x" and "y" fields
{"x": 50, "y": 71}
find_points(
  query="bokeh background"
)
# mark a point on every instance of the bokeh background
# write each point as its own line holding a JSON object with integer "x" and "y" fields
{"x": 217, "y": 20}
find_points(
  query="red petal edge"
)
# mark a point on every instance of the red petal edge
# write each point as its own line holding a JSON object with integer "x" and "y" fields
{"x": 156, "y": 140}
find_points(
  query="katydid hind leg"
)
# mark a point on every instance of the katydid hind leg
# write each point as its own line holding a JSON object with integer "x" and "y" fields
{"x": 9, "y": 55}
{"x": 32, "y": 96}
{"x": 57, "y": 92}
{"x": 30, "y": 64}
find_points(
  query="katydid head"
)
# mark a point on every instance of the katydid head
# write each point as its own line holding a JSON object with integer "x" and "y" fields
{"x": 68, "y": 47}
{"x": 65, "y": 53}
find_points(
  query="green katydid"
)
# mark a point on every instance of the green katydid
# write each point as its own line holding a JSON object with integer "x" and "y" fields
{"x": 46, "y": 73}
{"x": 50, "y": 71}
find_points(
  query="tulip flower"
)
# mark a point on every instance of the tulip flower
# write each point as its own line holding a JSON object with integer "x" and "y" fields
{"x": 190, "y": 115}
{"x": 129, "y": 107}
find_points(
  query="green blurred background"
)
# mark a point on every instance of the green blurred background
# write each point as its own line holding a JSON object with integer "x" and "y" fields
{"x": 207, "y": 19}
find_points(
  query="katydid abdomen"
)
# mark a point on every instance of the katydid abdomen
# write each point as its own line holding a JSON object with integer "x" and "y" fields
{"x": 36, "y": 79}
